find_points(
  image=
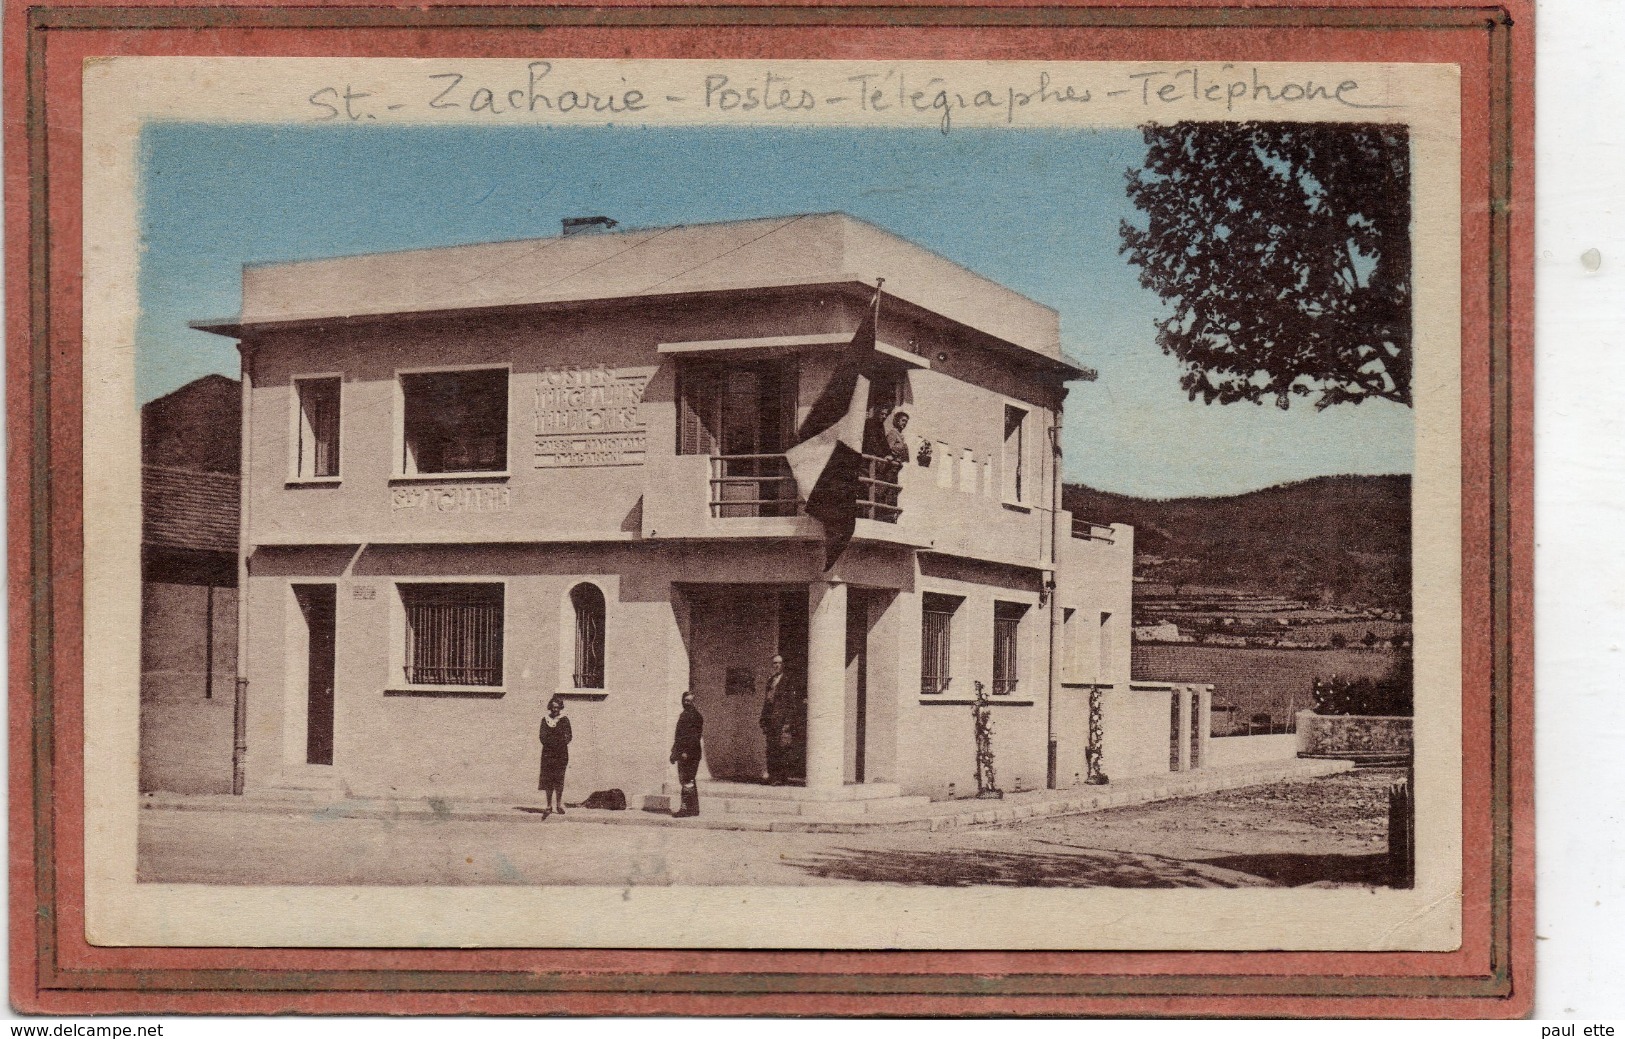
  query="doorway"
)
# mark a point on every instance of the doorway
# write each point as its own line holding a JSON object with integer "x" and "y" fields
{"x": 319, "y": 604}
{"x": 735, "y": 632}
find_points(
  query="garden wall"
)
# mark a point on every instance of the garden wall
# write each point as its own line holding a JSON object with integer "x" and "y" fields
{"x": 1356, "y": 737}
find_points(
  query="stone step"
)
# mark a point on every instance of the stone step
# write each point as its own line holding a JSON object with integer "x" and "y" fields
{"x": 848, "y": 792}
{"x": 668, "y": 802}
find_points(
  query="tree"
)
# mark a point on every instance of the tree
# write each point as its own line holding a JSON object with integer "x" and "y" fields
{"x": 1284, "y": 250}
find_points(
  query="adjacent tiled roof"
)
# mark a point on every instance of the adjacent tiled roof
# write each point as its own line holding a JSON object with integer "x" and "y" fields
{"x": 198, "y": 426}
{"x": 188, "y": 508}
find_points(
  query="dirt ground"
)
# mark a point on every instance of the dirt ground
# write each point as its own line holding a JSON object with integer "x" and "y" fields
{"x": 1321, "y": 833}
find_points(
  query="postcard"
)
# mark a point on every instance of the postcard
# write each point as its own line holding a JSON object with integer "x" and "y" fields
{"x": 887, "y": 505}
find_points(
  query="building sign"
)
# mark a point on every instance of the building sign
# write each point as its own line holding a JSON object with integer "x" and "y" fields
{"x": 449, "y": 499}
{"x": 590, "y": 417}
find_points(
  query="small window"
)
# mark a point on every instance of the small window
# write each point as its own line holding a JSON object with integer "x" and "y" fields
{"x": 1069, "y": 645}
{"x": 455, "y": 422}
{"x": 1103, "y": 661}
{"x": 588, "y": 602}
{"x": 936, "y": 643}
{"x": 1006, "y": 646}
{"x": 316, "y": 439}
{"x": 1015, "y": 454}
{"x": 453, "y": 634}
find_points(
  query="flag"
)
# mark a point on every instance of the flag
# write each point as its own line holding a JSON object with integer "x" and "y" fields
{"x": 827, "y": 458}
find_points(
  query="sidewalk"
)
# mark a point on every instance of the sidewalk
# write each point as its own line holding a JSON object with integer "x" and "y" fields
{"x": 932, "y": 816}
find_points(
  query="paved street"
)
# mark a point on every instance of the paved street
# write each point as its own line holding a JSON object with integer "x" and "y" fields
{"x": 1323, "y": 832}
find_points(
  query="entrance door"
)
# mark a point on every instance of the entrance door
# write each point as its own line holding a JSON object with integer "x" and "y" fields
{"x": 318, "y": 602}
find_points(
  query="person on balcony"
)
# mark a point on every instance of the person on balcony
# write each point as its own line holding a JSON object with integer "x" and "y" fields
{"x": 896, "y": 457}
{"x": 874, "y": 432}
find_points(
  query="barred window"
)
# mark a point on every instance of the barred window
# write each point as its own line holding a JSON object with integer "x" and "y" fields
{"x": 453, "y": 634}
{"x": 316, "y": 441}
{"x": 936, "y": 643}
{"x": 588, "y": 601}
{"x": 1006, "y": 646}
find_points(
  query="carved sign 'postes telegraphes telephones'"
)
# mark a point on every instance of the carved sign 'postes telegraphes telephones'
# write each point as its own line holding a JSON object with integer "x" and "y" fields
{"x": 590, "y": 417}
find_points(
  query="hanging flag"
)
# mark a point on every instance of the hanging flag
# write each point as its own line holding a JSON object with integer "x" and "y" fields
{"x": 827, "y": 459}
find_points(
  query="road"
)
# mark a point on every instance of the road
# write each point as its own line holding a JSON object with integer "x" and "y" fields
{"x": 1319, "y": 832}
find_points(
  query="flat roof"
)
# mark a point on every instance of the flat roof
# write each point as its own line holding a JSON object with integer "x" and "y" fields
{"x": 815, "y": 248}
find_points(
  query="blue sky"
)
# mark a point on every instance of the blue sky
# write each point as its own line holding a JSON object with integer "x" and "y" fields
{"x": 1037, "y": 210}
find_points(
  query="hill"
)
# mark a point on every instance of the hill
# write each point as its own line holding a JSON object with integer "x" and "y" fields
{"x": 1332, "y": 539}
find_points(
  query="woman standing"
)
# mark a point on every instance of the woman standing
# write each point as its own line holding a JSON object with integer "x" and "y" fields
{"x": 555, "y": 737}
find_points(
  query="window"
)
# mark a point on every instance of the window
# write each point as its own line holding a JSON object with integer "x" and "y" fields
{"x": 1103, "y": 661}
{"x": 736, "y": 409}
{"x": 1006, "y": 646}
{"x": 453, "y": 634}
{"x": 454, "y": 421}
{"x": 316, "y": 432}
{"x": 588, "y": 601}
{"x": 1069, "y": 645}
{"x": 936, "y": 643}
{"x": 1015, "y": 454}
{"x": 744, "y": 417}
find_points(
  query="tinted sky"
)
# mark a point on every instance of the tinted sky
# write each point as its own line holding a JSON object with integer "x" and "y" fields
{"x": 1037, "y": 210}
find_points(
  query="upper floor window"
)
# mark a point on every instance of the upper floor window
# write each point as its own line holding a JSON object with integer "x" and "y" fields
{"x": 1016, "y": 478}
{"x": 736, "y": 409}
{"x": 453, "y": 633}
{"x": 744, "y": 417}
{"x": 454, "y": 421}
{"x": 316, "y": 427}
{"x": 1006, "y": 646}
{"x": 587, "y": 601}
{"x": 936, "y": 642}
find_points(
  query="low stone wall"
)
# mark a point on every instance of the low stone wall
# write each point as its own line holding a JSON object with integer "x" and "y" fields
{"x": 1224, "y": 751}
{"x": 1356, "y": 737}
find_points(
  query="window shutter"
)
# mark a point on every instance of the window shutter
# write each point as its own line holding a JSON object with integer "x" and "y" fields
{"x": 789, "y": 399}
{"x": 696, "y": 425}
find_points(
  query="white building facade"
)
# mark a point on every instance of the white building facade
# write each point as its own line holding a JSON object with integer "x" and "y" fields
{"x": 478, "y": 477}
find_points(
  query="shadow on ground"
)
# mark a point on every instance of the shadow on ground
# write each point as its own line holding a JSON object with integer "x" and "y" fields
{"x": 1296, "y": 870}
{"x": 965, "y": 868}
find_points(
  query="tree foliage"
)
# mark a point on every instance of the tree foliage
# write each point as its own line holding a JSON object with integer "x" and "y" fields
{"x": 1284, "y": 251}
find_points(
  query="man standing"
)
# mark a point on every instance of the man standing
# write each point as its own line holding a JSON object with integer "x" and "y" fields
{"x": 685, "y": 754}
{"x": 896, "y": 458}
{"x": 776, "y": 705}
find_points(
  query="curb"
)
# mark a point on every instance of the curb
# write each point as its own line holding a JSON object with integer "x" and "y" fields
{"x": 936, "y": 817}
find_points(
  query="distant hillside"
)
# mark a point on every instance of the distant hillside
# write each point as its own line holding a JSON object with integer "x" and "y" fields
{"x": 1333, "y": 539}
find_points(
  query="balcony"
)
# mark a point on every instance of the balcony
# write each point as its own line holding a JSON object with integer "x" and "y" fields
{"x": 750, "y": 486}
{"x": 757, "y": 486}
{"x": 1088, "y": 530}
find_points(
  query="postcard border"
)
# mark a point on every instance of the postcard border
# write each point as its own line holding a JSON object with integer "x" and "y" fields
{"x": 42, "y": 420}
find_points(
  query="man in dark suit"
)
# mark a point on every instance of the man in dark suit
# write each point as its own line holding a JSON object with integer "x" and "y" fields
{"x": 776, "y": 707}
{"x": 685, "y": 754}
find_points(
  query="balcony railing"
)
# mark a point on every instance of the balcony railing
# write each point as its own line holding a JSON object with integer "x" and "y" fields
{"x": 752, "y": 485}
{"x": 878, "y": 490}
{"x": 1088, "y": 530}
{"x": 762, "y": 485}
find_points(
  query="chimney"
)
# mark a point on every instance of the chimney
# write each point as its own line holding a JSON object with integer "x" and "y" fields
{"x": 574, "y": 225}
